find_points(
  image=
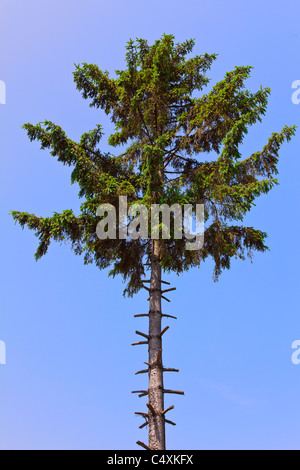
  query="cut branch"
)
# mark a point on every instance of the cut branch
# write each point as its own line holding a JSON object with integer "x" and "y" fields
{"x": 178, "y": 392}
{"x": 147, "y": 288}
{"x": 167, "y": 409}
{"x": 169, "y": 316}
{"x": 145, "y": 424}
{"x": 139, "y": 342}
{"x": 170, "y": 422}
{"x": 139, "y": 443}
{"x": 164, "y": 330}
{"x": 145, "y": 415}
{"x": 142, "y": 371}
{"x": 151, "y": 408}
{"x": 168, "y": 290}
{"x": 142, "y": 334}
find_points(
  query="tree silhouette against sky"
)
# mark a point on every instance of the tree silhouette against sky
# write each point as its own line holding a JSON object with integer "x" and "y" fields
{"x": 169, "y": 134}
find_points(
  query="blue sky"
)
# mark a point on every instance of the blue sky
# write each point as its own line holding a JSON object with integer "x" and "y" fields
{"x": 70, "y": 366}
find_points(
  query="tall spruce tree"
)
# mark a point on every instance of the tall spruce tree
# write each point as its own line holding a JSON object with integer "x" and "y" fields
{"x": 164, "y": 127}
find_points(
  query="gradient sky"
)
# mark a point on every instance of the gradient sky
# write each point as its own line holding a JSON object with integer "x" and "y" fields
{"x": 68, "y": 330}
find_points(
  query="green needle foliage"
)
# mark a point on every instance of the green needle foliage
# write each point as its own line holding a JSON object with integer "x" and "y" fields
{"x": 168, "y": 135}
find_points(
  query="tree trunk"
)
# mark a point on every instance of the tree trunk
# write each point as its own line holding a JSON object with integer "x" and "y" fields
{"x": 155, "y": 405}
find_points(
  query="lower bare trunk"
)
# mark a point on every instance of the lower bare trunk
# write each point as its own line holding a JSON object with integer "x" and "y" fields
{"x": 155, "y": 416}
{"x": 156, "y": 419}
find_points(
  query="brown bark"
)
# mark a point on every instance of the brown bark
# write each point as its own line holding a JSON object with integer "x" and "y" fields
{"x": 156, "y": 419}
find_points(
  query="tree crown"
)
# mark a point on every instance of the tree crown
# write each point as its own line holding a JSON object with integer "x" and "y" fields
{"x": 165, "y": 129}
